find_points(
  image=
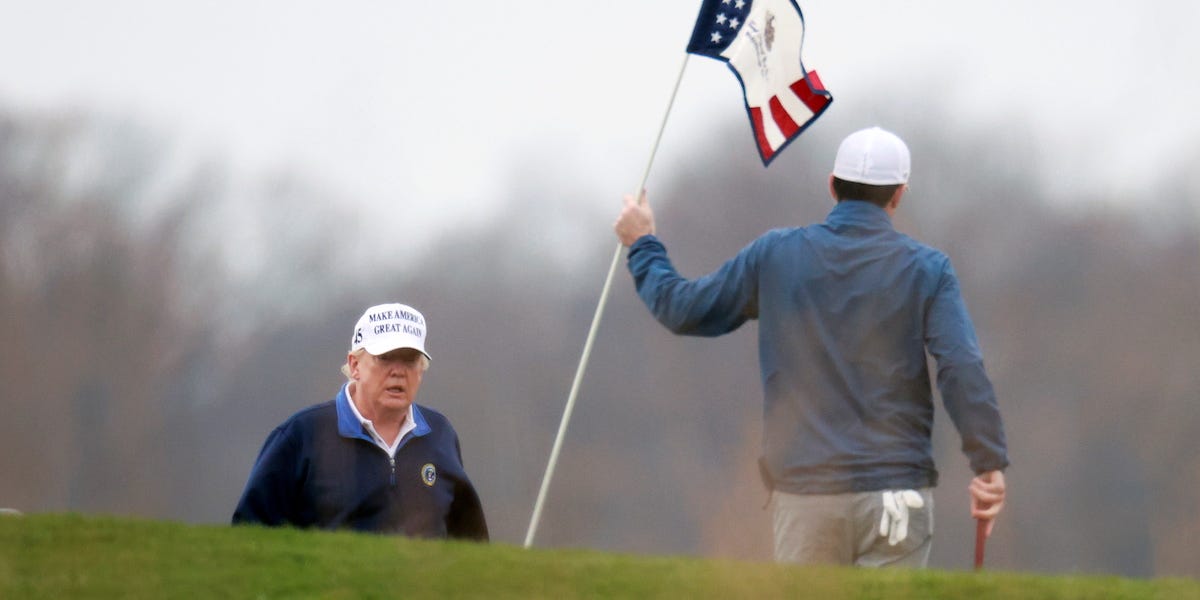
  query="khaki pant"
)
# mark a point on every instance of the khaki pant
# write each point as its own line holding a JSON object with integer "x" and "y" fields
{"x": 843, "y": 529}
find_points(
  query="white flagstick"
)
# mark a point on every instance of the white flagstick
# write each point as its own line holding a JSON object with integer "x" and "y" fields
{"x": 591, "y": 336}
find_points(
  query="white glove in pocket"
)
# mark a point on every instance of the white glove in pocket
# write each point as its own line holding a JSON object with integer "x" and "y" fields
{"x": 894, "y": 523}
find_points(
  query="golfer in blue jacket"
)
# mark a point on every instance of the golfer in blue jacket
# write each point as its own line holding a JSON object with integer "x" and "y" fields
{"x": 847, "y": 310}
{"x": 371, "y": 459}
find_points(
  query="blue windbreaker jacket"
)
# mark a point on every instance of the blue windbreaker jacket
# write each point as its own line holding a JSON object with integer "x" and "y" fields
{"x": 846, "y": 311}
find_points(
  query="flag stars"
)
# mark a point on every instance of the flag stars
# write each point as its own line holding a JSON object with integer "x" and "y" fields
{"x": 728, "y": 17}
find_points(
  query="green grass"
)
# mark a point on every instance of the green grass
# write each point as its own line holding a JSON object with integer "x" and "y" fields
{"x": 70, "y": 556}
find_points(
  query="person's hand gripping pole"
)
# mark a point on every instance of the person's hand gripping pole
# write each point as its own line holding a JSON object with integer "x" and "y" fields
{"x": 987, "y": 492}
{"x": 636, "y": 220}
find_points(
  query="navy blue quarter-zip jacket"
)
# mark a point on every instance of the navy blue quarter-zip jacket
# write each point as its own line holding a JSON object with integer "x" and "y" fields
{"x": 320, "y": 468}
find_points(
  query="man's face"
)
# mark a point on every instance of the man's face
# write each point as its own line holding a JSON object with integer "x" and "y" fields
{"x": 386, "y": 384}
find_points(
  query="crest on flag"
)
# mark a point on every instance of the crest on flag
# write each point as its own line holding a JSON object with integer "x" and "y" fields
{"x": 760, "y": 40}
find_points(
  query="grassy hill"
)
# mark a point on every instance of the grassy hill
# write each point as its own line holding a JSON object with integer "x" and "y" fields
{"x": 70, "y": 556}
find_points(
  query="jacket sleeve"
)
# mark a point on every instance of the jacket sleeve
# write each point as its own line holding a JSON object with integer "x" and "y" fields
{"x": 466, "y": 520}
{"x": 966, "y": 391}
{"x": 712, "y": 305}
{"x": 271, "y": 492}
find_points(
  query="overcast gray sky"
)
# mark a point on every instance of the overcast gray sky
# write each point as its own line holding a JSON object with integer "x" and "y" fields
{"x": 427, "y": 105}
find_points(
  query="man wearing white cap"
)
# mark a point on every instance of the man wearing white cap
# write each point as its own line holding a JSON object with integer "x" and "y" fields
{"x": 371, "y": 459}
{"x": 846, "y": 309}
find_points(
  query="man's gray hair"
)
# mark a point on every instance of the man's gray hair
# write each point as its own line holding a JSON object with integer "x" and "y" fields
{"x": 361, "y": 351}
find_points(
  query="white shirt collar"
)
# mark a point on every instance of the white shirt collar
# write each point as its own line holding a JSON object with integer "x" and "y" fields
{"x": 408, "y": 425}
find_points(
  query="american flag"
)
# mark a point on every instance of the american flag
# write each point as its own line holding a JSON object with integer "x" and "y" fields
{"x": 760, "y": 40}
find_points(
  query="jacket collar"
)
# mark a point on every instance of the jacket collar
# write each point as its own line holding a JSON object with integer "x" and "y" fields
{"x": 350, "y": 427}
{"x": 859, "y": 213}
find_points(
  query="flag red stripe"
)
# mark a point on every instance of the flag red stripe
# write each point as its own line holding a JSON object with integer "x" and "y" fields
{"x": 787, "y": 126}
{"x": 764, "y": 147}
{"x": 815, "y": 80}
{"x": 814, "y": 101}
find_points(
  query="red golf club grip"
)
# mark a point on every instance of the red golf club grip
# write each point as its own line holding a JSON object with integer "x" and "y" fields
{"x": 980, "y": 540}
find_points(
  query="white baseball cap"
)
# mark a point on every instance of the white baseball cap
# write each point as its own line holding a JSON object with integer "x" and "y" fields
{"x": 874, "y": 157}
{"x": 386, "y": 327}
